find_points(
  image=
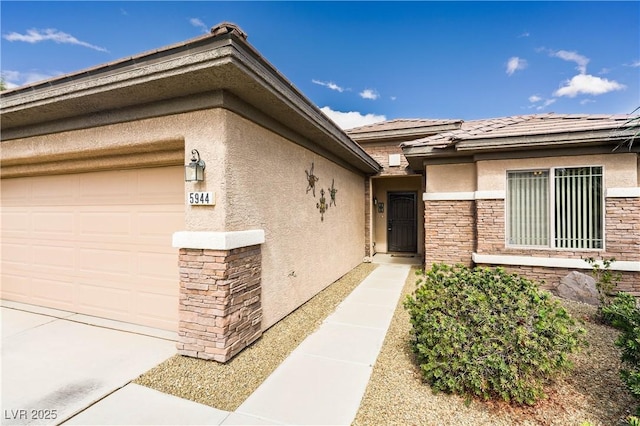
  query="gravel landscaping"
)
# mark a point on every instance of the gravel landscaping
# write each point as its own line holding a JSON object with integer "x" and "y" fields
{"x": 396, "y": 395}
{"x": 226, "y": 386}
{"x": 592, "y": 392}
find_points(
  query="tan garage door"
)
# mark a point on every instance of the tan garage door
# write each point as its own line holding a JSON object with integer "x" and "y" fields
{"x": 95, "y": 243}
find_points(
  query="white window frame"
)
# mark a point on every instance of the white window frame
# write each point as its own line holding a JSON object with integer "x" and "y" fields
{"x": 552, "y": 206}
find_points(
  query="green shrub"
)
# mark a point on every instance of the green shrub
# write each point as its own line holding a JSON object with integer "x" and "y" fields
{"x": 606, "y": 283}
{"x": 489, "y": 334}
{"x": 624, "y": 314}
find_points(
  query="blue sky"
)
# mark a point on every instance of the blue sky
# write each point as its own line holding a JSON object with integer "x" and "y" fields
{"x": 367, "y": 61}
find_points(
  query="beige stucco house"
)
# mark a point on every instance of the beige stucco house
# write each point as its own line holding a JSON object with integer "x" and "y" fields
{"x": 95, "y": 213}
{"x": 536, "y": 194}
{"x": 97, "y": 217}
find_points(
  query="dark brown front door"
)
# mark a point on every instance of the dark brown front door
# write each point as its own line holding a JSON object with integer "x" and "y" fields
{"x": 402, "y": 222}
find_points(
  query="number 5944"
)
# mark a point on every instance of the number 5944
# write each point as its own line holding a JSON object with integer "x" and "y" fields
{"x": 200, "y": 198}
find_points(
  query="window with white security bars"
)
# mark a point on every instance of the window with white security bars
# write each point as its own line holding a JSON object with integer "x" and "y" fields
{"x": 558, "y": 208}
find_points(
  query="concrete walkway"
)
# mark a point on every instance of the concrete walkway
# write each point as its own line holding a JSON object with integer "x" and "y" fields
{"x": 321, "y": 382}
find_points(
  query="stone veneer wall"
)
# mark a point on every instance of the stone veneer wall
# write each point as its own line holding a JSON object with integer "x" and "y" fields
{"x": 220, "y": 301}
{"x": 628, "y": 281}
{"x": 622, "y": 233}
{"x": 450, "y": 231}
{"x": 380, "y": 153}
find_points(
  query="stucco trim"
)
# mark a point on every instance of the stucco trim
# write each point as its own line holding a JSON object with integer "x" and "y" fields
{"x": 217, "y": 240}
{"x": 633, "y": 192}
{"x": 447, "y": 196}
{"x": 453, "y": 196}
{"x": 550, "y": 262}
{"x": 491, "y": 195}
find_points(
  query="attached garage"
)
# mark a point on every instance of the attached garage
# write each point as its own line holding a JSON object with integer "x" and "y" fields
{"x": 96, "y": 243}
{"x": 95, "y": 218}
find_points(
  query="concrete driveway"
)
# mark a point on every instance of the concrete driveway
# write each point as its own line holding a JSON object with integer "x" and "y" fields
{"x": 55, "y": 363}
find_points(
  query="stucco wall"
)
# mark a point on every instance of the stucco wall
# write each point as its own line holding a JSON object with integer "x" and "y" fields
{"x": 444, "y": 214}
{"x": 451, "y": 178}
{"x": 266, "y": 189}
{"x": 620, "y": 170}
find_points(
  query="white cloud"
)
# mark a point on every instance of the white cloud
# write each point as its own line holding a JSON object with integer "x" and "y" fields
{"x": 514, "y": 64}
{"x": 540, "y": 103}
{"x": 545, "y": 104}
{"x": 635, "y": 64}
{"x": 199, "y": 24}
{"x": 36, "y": 36}
{"x": 586, "y": 101}
{"x": 524, "y": 34}
{"x": 349, "y": 120}
{"x": 329, "y": 84}
{"x": 588, "y": 85}
{"x": 580, "y": 60}
{"x": 369, "y": 94}
{"x": 17, "y": 78}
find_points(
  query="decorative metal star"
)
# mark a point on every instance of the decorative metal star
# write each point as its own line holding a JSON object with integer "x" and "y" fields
{"x": 332, "y": 193}
{"x": 311, "y": 181}
{"x": 322, "y": 205}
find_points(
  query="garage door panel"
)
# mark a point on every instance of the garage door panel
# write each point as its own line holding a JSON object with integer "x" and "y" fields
{"x": 104, "y": 223}
{"x": 159, "y": 265}
{"x": 150, "y": 304}
{"x": 53, "y": 222}
{"x": 157, "y": 187}
{"x": 106, "y": 301}
{"x": 53, "y": 190}
{"x": 14, "y": 194}
{"x": 113, "y": 262}
{"x": 15, "y": 286}
{"x": 95, "y": 243}
{"x": 114, "y": 187}
{"x": 15, "y": 254}
{"x": 53, "y": 292}
{"x": 155, "y": 223}
{"x": 55, "y": 256}
{"x": 14, "y": 221}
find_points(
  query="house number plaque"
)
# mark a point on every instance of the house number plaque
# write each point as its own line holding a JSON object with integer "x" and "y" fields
{"x": 201, "y": 198}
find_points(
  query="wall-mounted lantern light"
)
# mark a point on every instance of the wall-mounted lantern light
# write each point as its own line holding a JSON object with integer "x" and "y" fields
{"x": 375, "y": 201}
{"x": 194, "y": 171}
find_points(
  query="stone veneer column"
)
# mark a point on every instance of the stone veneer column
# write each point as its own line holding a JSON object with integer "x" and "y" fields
{"x": 220, "y": 292}
{"x": 450, "y": 231}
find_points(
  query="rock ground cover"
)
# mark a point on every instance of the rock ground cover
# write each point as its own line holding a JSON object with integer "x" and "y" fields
{"x": 396, "y": 394}
{"x": 226, "y": 386}
{"x": 592, "y": 392}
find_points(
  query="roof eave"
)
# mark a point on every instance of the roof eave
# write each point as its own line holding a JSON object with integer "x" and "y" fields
{"x": 401, "y": 134}
{"x": 416, "y": 155}
{"x": 157, "y": 75}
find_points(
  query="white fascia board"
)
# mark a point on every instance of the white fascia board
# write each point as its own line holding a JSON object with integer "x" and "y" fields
{"x": 217, "y": 240}
{"x": 633, "y": 192}
{"x": 550, "y": 262}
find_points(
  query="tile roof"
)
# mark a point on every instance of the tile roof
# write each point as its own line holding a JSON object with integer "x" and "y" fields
{"x": 522, "y": 125}
{"x": 400, "y": 124}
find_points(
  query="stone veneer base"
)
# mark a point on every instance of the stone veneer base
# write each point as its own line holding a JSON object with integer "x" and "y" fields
{"x": 220, "y": 301}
